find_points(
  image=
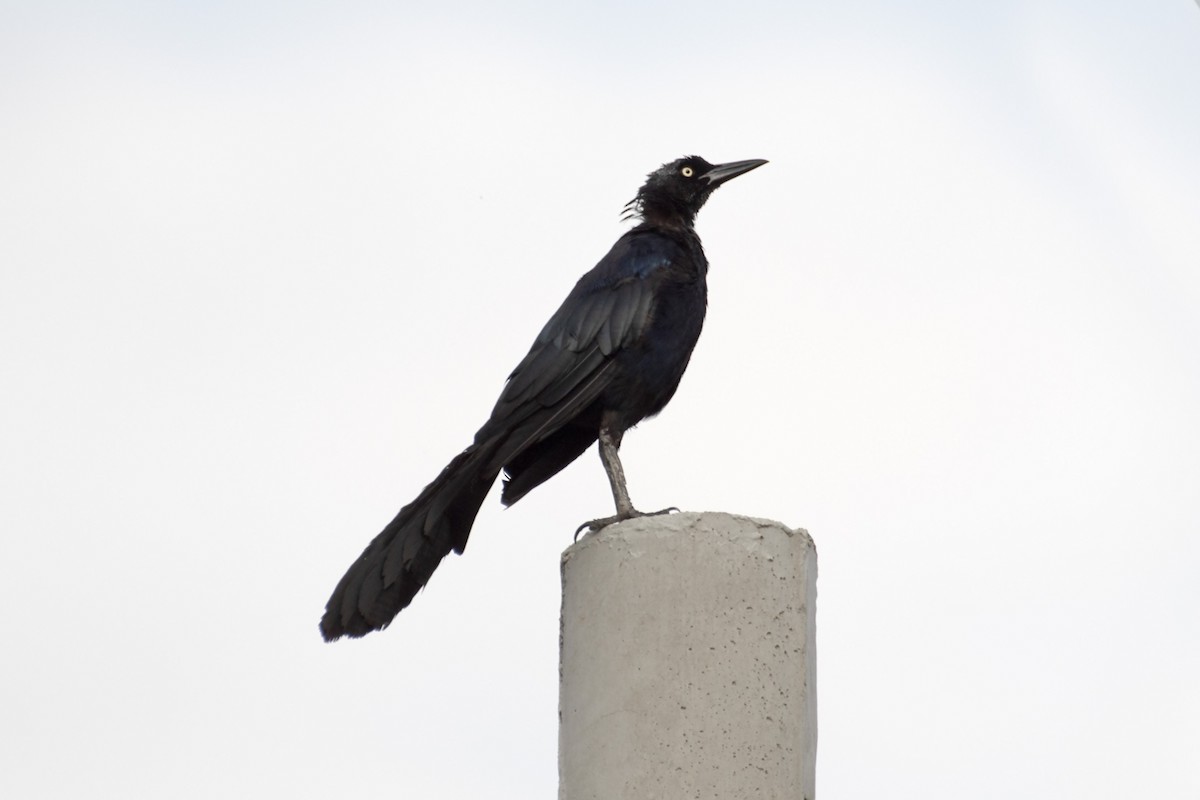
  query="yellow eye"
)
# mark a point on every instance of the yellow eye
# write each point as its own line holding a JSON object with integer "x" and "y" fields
{"x": 687, "y": 172}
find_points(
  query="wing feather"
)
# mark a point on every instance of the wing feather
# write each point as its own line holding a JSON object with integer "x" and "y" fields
{"x": 607, "y": 311}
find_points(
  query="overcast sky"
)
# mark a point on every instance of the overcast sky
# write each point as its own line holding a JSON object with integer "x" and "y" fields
{"x": 267, "y": 265}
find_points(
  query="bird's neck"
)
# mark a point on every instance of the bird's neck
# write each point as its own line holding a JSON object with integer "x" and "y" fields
{"x": 665, "y": 214}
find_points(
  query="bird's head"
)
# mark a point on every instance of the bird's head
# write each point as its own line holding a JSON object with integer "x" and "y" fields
{"x": 675, "y": 192}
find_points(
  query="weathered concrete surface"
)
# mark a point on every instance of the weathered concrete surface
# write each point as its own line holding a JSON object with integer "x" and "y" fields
{"x": 688, "y": 661}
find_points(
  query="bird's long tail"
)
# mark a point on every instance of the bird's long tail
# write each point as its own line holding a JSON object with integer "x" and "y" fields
{"x": 401, "y": 559}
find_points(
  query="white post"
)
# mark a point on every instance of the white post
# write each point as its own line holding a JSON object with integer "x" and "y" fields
{"x": 688, "y": 661}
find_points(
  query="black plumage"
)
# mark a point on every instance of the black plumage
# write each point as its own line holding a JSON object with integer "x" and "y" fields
{"x": 612, "y": 355}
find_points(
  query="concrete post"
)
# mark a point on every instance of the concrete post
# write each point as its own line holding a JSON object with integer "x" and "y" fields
{"x": 688, "y": 661}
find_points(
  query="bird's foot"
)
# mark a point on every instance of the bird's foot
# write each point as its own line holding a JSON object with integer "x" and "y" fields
{"x": 604, "y": 522}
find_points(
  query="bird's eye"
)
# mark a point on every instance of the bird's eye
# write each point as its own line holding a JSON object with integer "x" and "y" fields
{"x": 687, "y": 172}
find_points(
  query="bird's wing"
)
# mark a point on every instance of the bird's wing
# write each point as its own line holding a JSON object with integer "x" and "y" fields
{"x": 570, "y": 362}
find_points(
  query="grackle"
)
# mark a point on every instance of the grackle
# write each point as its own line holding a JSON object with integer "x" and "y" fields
{"x": 611, "y": 356}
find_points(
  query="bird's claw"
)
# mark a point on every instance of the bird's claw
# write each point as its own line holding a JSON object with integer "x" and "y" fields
{"x": 598, "y": 524}
{"x": 595, "y": 525}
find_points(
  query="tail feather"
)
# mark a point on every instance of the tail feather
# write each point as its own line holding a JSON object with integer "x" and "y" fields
{"x": 401, "y": 559}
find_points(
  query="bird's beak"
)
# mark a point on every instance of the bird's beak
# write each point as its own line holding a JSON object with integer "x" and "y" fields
{"x": 725, "y": 172}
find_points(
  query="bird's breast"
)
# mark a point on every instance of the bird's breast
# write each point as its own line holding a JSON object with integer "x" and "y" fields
{"x": 649, "y": 371}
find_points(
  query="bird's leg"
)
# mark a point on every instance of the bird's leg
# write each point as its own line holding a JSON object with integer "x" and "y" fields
{"x": 610, "y": 443}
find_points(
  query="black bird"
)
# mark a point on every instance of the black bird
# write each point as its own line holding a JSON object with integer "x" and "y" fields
{"x": 611, "y": 356}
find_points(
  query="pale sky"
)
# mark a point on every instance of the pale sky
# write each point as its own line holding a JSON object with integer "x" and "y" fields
{"x": 267, "y": 265}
